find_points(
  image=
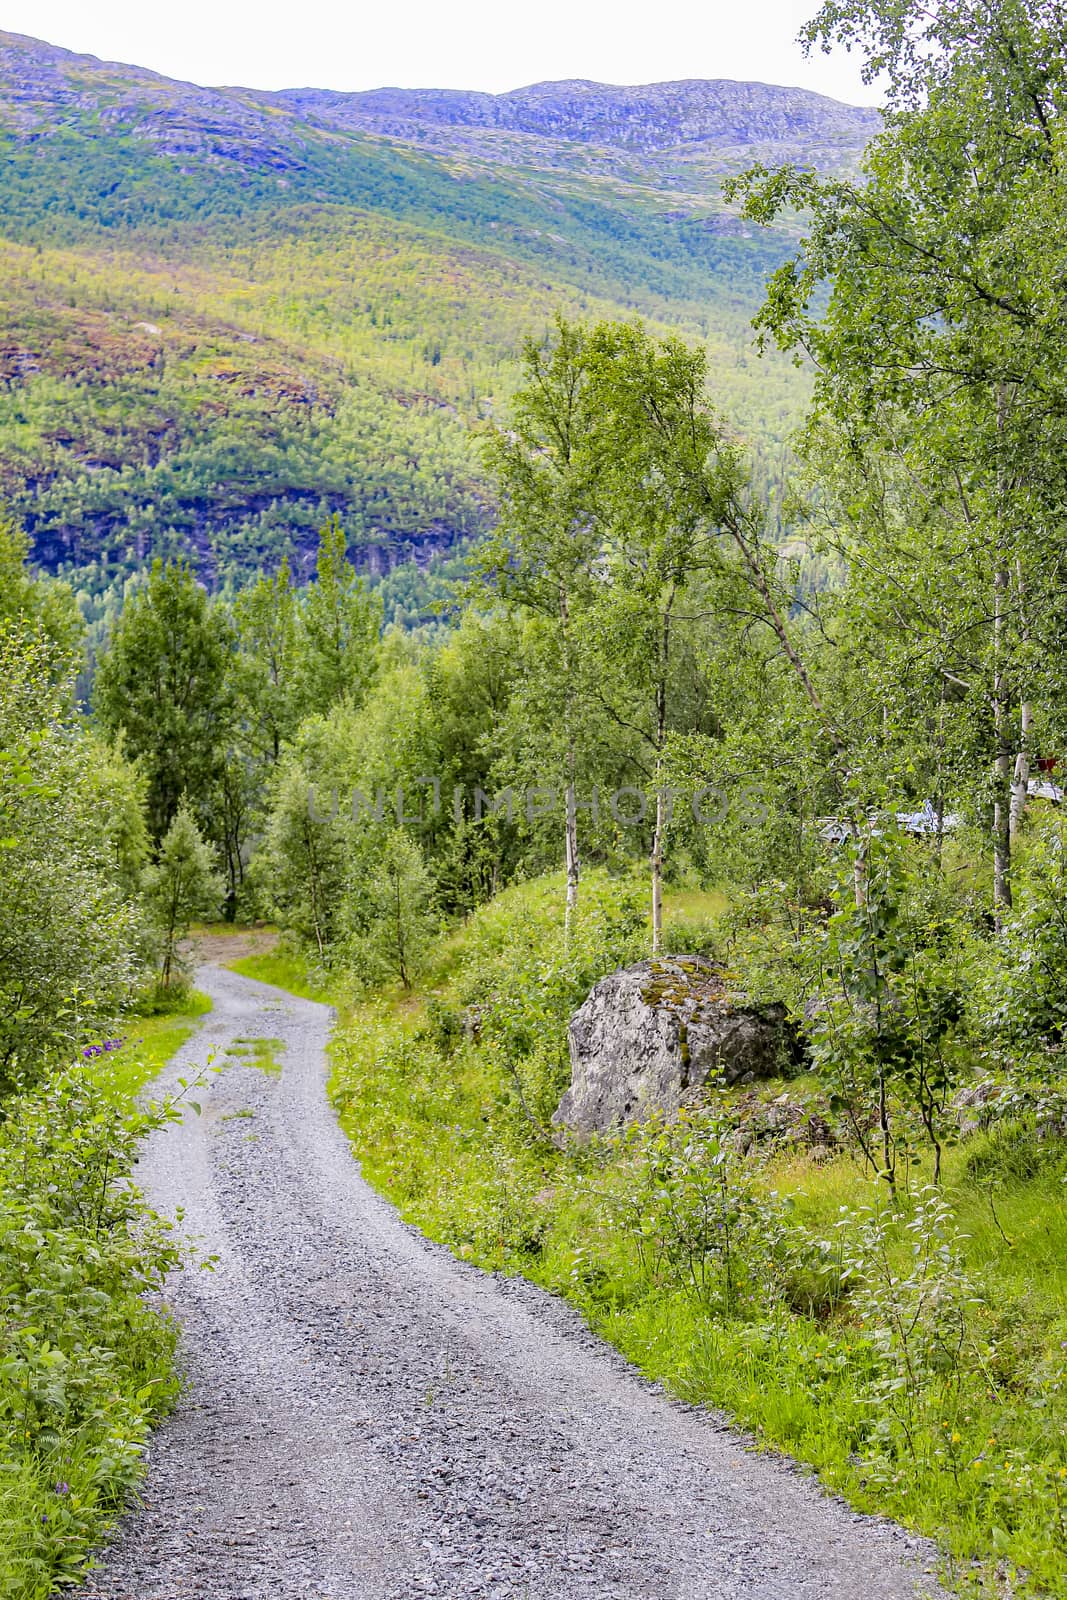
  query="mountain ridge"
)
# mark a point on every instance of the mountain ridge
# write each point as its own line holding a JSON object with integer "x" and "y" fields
{"x": 696, "y": 108}
{"x": 655, "y": 119}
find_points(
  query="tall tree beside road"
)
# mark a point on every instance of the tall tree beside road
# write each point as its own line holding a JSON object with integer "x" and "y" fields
{"x": 940, "y": 409}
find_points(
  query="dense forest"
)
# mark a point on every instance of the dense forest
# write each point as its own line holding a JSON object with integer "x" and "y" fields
{"x": 630, "y": 723}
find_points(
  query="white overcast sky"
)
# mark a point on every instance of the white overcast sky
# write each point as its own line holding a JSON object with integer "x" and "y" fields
{"x": 466, "y": 44}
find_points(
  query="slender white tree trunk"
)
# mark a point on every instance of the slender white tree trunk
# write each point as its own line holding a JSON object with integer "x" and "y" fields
{"x": 573, "y": 863}
{"x": 1021, "y": 775}
{"x": 1002, "y": 761}
{"x": 570, "y": 846}
{"x": 662, "y": 812}
{"x": 657, "y": 870}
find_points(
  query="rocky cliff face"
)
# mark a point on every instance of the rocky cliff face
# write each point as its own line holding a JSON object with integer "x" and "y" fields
{"x": 649, "y": 1038}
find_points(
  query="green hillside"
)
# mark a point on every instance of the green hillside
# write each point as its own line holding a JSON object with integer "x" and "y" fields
{"x": 224, "y": 316}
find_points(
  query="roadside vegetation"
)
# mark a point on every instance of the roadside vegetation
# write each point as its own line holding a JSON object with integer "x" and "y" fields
{"x": 153, "y": 1034}
{"x": 86, "y": 1357}
{"x": 287, "y": 969}
{"x": 86, "y": 1363}
{"x": 909, "y": 1347}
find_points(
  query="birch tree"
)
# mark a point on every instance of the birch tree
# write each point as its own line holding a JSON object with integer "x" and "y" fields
{"x": 543, "y": 553}
{"x": 940, "y": 372}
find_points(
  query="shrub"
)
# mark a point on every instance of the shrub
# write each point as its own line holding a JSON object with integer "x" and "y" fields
{"x": 68, "y": 931}
{"x": 699, "y": 1221}
{"x": 85, "y": 1363}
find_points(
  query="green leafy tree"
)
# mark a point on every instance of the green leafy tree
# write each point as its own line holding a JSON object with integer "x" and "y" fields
{"x": 164, "y": 683}
{"x": 669, "y": 480}
{"x": 69, "y": 842}
{"x": 340, "y": 621}
{"x": 389, "y": 908}
{"x": 541, "y": 556}
{"x": 120, "y": 789}
{"x": 266, "y": 681}
{"x": 181, "y": 885}
{"x": 232, "y": 815}
{"x": 303, "y": 859}
{"x": 938, "y": 424}
{"x": 268, "y": 665}
{"x": 630, "y": 532}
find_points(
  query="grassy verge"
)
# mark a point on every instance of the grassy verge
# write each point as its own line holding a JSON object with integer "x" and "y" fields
{"x": 927, "y": 1385}
{"x": 150, "y": 1042}
{"x": 86, "y": 1364}
{"x": 289, "y": 970}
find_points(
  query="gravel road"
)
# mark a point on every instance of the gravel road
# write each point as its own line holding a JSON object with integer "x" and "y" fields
{"x": 369, "y": 1419}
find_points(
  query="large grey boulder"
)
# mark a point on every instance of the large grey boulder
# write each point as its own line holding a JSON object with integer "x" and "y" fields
{"x": 651, "y": 1036}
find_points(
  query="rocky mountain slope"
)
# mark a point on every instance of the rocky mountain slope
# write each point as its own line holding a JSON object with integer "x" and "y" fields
{"x": 227, "y": 312}
{"x": 719, "y": 120}
{"x": 668, "y": 130}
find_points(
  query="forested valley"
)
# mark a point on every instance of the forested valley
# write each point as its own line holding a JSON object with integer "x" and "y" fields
{"x": 795, "y": 731}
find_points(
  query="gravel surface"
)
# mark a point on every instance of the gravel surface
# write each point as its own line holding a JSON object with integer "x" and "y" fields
{"x": 367, "y": 1418}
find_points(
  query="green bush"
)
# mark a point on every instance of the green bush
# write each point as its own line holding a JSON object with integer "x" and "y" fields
{"x": 68, "y": 808}
{"x": 522, "y": 980}
{"x": 695, "y": 1211}
{"x": 85, "y": 1363}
